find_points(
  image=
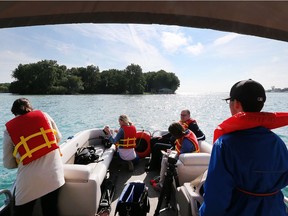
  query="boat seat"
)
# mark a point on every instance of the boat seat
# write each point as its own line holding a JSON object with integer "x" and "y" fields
{"x": 81, "y": 193}
{"x": 192, "y": 165}
{"x": 190, "y": 195}
{"x": 192, "y": 171}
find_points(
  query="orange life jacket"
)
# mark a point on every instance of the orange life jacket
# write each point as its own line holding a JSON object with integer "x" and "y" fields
{"x": 129, "y": 140}
{"x": 247, "y": 120}
{"x": 191, "y": 136}
{"x": 32, "y": 136}
{"x": 185, "y": 124}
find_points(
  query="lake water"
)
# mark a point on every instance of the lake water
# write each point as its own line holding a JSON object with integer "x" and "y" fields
{"x": 74, "y": 113}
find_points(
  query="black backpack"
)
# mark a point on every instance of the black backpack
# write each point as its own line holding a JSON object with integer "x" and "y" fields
{"x": 86, "y": 155}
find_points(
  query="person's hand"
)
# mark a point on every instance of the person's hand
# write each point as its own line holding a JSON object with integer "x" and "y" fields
{"x": 164, "y": 153}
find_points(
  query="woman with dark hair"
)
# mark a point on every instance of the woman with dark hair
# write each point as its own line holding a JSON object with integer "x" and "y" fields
{"x": 30, "y": 143}
{"x": 185, "y": 142}
{"x": 165, "y": 142}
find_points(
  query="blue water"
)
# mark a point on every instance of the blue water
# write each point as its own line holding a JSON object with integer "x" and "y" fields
{"x": 74, "y": 113}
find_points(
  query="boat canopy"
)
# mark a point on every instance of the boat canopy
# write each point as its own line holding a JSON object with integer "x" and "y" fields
{"x": 260, "y": 18}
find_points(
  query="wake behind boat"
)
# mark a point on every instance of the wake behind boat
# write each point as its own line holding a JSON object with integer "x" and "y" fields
{"x": 82, "y": 195}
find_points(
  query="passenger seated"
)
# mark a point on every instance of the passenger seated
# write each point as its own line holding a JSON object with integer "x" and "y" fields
{"x": 125, "y": 141}
{"x": 186, "y": 142}
{"x": 167, "y": 141}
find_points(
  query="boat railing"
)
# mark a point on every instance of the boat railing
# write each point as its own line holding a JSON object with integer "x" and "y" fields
{"x": 6, "y": 208}
{"x": 159, "y": 133}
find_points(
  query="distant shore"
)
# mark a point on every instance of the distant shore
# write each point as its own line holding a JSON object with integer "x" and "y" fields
{"x": 273, "y": 89}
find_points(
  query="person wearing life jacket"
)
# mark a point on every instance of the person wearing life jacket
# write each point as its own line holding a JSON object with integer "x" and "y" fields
{"x": 125, "y": 141}
{"x": 186, "y": 142}
{"x": 30, "y": 143}
{"x": 188, "y": 123}
{"x": 249, "y": 163}
{"x": 167, "y": 141}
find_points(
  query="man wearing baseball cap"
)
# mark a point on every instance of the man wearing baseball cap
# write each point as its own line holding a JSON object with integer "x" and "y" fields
{"x": 250, "y": 94}
{"x": 249, "y": 163}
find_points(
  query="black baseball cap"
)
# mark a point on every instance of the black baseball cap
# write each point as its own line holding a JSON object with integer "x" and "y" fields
{"x": 249, "y": 92}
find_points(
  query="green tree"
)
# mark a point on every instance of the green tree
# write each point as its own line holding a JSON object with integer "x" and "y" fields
{"x": 37, "y": 78}
{"x": 166, "y": 80}
{"x": 113, "y": 82}
{"x": 149, "y": 78}
{"x": 47, "y": 77}
{"x": 4, "y": 87}
{"x": 73, "y": 85}
{"x": 90, "y": 77}
{"x": 161, "y": 80}
{"x": 135, "y": 79}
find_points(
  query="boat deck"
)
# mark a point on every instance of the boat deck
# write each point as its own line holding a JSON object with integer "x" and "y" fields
{"x": 121, "y": 175}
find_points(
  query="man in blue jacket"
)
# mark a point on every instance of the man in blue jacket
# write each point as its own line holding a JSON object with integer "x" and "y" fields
{"x": 248, "y": 166}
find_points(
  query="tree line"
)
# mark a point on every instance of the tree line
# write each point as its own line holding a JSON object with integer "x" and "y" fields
{"x": 47, "y": 77}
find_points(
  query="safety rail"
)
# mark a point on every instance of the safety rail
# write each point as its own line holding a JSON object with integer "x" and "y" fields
{"x": 7, "y": 208}
{"x": 158, "y": 133}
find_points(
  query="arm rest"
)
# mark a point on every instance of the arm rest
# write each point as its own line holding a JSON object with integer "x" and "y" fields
{"x": 194, "y": 158}
{"x": 191, "y": 165}
{"x": 205, "y": 147}
{"x": 77, "y": 173}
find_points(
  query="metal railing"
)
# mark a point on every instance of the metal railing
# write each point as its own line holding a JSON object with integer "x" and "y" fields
{"x": 7, "y": 208}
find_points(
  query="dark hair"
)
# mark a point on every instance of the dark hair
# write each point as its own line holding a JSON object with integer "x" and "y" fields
{"x": 21, "y": 106}
{"x": 176, "y": 130}
{"x": 187, "y": 111}
{"x": 251, "y": 106}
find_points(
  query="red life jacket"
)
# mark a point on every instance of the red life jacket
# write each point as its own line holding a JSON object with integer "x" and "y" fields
{"x": 185, "y": 124}
{"x": 129, "y": 140}
{"x": 32, "y": 136}
{"x": 191, "y": 136}
{"x": 247, "y": 120}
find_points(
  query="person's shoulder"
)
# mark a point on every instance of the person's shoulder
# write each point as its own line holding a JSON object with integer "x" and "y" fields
{"x": 191, "y": 120}
{"x": 193, "y": 124}
{"x": 226, "y": 139}
{"x": 41, "y": 112}
{"x": 46, "y": 114}
{"x": 121, "y": 129}
{"x": 237, "y": 137}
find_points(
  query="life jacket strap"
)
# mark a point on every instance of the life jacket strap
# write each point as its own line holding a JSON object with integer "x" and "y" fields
{"x": 257, "y": 194}
{"x": 29, "y": 152}
{"x": 128, "y": 142}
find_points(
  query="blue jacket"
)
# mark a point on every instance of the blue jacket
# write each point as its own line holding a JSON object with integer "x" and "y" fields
{"x": 253, "y": 160}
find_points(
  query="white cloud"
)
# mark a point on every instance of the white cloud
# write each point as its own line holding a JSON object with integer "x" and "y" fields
{"x": 115, "y": 46}
{"x": 173, "y": 41}
{"x": 10, "y": 61}
{"x": 226, "y": 39}
{"x": 141, "y": 51}
{"x": 195, "y": 49}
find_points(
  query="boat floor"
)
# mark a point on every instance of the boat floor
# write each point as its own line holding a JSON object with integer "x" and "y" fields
{"x": 120, "y": 174}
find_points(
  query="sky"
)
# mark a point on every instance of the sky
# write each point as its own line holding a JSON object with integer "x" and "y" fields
{"x": 204, "y": 60}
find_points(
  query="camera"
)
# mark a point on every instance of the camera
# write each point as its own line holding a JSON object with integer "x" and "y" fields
{"x": 173, "y": 157}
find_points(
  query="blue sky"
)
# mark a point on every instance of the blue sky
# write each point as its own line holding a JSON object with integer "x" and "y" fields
{"x": 204, "y": 60}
